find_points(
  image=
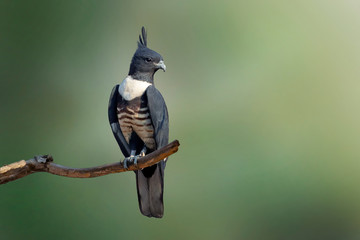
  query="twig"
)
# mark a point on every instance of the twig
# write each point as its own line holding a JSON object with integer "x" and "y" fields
{"x": 44, "y": 163}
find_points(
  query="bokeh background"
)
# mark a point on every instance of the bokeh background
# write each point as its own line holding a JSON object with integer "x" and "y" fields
{"x": 262, "y": 95}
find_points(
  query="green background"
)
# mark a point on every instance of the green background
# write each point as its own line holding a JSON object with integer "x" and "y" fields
{"x": 262, "y": 95}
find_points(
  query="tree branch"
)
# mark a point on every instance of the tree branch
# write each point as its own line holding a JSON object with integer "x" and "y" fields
{"x": 44, "y": 163}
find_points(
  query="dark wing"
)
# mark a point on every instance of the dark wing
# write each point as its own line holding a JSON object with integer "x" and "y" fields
{"x": 114, "y": 122}
{"x": 159, "y": 116}
{"x": 150, "y": 180}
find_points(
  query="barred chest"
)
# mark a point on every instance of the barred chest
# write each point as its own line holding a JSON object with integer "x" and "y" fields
{"x": 134, "y": 117}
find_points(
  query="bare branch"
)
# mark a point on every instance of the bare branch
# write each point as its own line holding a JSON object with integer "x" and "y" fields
{"x": 44, "y": 163}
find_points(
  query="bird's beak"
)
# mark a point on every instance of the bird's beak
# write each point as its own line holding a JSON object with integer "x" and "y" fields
{"x": 161, "y": 65}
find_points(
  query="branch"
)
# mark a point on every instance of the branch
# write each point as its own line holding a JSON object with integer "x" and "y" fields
{"x": 44, "y": 163}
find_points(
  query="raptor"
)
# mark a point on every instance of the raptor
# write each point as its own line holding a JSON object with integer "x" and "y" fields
{"x": 139, "y": 120}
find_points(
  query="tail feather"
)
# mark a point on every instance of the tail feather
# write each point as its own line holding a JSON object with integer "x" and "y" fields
{"x": 150, "y": 192}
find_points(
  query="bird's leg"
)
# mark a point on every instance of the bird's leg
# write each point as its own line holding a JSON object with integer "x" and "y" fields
{"x": 142, "y": 154}
{"x": 131, "y": 158}
{"x": 143, "y": 151}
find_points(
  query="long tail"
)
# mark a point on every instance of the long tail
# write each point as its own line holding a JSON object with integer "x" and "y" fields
{"x": 150, "y": 187}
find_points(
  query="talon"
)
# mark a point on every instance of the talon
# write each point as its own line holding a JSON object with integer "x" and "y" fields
{"x": 126, "y": 160}
{"x": 143, "y": 151}
{"x": 44, "y": 158}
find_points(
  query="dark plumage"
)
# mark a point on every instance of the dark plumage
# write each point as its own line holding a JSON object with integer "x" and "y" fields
{"x": 139, "y": 120}
{"x": 145, "y": 61}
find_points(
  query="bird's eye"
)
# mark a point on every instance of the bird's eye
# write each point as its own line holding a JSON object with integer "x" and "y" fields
{"x": 148, "y": 59}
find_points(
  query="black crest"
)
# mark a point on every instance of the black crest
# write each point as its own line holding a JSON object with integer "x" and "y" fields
{"x": 142, "y": 40}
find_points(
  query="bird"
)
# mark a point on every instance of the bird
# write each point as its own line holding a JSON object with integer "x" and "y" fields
{"x": 139, "y": 120}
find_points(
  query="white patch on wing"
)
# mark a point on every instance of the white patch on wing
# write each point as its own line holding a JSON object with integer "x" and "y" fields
{"x": 131, "y": 88}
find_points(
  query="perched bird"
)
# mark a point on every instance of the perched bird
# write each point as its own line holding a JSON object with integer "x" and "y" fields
{"x": 139, "y": 120}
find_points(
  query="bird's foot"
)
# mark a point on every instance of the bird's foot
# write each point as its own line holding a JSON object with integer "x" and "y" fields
{"x": 127, "y": 160}
{"x": 131, "y": 159}
{"x": 44, "y": 158}
{"x": 143, "y": 151}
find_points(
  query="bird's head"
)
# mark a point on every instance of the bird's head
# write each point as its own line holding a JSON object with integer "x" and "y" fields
{"x": 145, "y": 61}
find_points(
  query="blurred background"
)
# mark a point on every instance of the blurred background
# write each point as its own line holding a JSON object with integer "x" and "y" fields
{"x": 262, "y": 95}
